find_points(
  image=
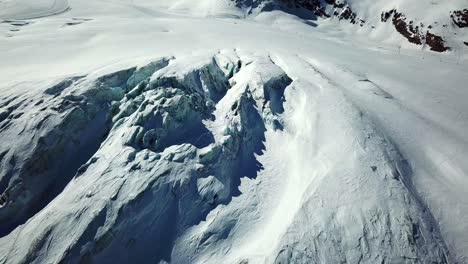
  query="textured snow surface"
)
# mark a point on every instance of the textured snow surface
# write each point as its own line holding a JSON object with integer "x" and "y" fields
{"x": 24, "y": 9}
{"x": 176, "y": 132}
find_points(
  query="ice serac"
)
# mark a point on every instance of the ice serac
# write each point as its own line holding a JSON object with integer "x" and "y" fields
{"x": 188, "y": 160}
{"x": 158, "y": 169}
{"x": 347, "y": 198}
{"x": 51, "y": 136}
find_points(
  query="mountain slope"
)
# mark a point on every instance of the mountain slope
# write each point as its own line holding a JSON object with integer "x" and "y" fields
{"x": 169, "y": 132}
{"x": 21, "y": 9}
{"x": 439, "y": 25}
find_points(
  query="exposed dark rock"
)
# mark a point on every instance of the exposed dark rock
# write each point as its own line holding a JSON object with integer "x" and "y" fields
{"x": 414, "y": 33}
{"x": 407, "y": 29}
{"x": 386, "y": 15}
{"x": 436, "y": 42}
{"x": 460, "y": 18}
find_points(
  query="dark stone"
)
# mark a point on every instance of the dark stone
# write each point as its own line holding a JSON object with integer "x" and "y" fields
{"x": 460, "y": 18}
{"x": 406, "y": 29}
{"x": 414, "y": 33}
{"x": 436, "y": 42}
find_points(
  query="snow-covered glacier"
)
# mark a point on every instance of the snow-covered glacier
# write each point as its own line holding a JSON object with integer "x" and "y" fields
{"x": 232, "y": 132}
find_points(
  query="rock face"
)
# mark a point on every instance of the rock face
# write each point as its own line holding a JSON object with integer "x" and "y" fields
{"x": 460, "y": 18}
{"x": 414, "y": 33}
{"x": 407, "y": 29}
{"x": 435, "y": 42}
{"x": 163, "y": 148}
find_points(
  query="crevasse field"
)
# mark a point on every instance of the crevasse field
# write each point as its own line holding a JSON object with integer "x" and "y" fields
{"x": 215, "y": 131}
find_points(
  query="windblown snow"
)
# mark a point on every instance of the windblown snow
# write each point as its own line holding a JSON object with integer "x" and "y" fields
{"x": 219, "y": 131}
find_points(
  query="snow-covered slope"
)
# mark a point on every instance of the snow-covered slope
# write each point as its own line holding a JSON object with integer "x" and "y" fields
{"x": 437, "y": 25}
{"x": 214, "y": 132}
{"x": 24, "y": 9}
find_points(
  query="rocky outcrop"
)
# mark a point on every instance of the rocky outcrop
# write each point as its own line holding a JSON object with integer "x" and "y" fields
{"x": 414, "y": 33}
{"x": 404, "y": 27}
{"x": 460, "y": 18}
{"x": 435, "y": 42}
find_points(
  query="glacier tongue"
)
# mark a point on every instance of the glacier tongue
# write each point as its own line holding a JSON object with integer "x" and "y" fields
{"x": 189, "y": 160}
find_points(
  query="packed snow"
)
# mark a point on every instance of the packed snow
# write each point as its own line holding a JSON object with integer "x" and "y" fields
{"x": 23, "y": 9}
{"x": 136, "y": 131}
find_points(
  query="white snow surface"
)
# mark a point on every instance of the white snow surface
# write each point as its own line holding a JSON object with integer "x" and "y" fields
{"x": 137, "y": 131}
{"x": 23, "y": 9}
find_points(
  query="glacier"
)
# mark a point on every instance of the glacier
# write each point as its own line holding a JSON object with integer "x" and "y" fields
{"x": 239, "y": 132}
